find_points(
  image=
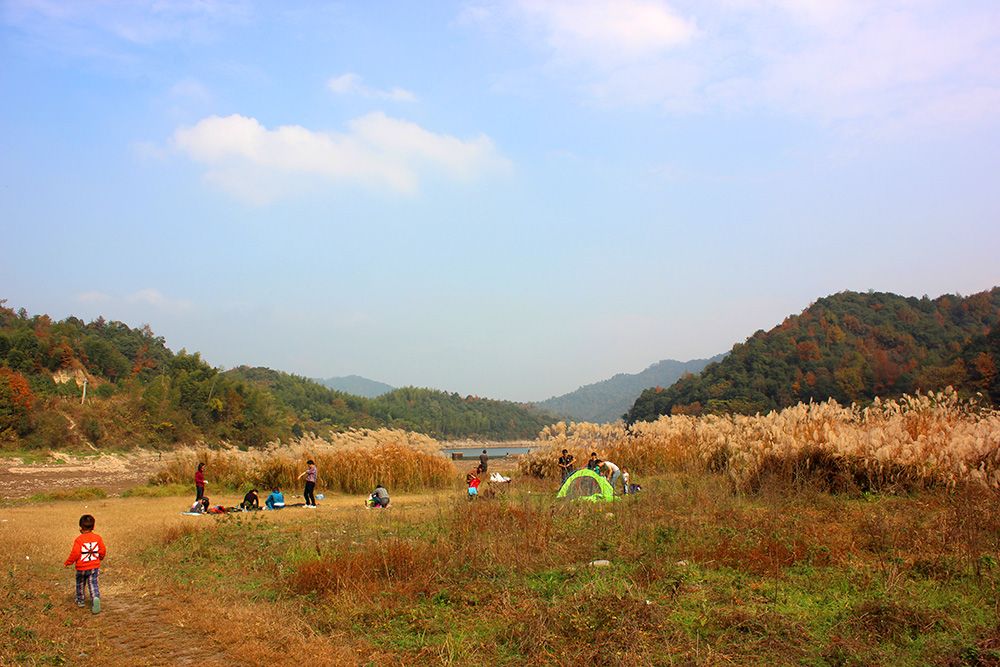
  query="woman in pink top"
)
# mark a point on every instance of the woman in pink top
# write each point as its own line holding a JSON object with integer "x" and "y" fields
{"x": 310, "y": 475}
{"x": 199, "y": 481}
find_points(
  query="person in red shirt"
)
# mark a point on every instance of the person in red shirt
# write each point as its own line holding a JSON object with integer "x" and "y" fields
{"x": 199, "y": 481}
{"x": 472, "y": 479}
{"x": 88, "y": 552}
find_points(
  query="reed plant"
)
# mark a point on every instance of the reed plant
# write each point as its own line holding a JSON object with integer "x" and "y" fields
{"x": 928, "y": 440}
{"x": 350, "y": 462}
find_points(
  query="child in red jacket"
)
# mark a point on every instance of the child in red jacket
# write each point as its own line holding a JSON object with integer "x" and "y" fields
{"x": 88, "y": 552}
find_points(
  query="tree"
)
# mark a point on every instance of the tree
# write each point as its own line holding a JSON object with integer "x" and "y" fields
{"x": 16, "y": 401}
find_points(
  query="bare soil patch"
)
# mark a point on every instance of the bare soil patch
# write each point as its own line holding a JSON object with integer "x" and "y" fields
{"x": 112, "y": 472}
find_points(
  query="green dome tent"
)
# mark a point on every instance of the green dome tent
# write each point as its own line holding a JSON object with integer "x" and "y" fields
{"x": 587, "y": 485}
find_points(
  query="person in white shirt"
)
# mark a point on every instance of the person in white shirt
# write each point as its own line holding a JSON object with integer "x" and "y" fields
{"x": 611, "y": 471}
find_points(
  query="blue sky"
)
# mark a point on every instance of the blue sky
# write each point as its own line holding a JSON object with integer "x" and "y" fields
{"x": 508, "y": 199}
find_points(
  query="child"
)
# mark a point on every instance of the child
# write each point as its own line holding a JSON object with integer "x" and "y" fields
{"x": 276, "y": 500}
{"x": 625, "y": 480}
{"x": 88, "y": 552}
{"x": 310, "y": 474}
{"x": 472, "y": 479}
{"x": 200, "y": 506}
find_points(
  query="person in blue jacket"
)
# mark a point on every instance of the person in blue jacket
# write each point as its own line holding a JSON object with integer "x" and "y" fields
{"x": 276, "y": 500}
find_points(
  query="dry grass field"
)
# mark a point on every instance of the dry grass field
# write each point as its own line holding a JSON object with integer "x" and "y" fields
{"x": 697, "y": 575}
{"x": 821, "y": 535}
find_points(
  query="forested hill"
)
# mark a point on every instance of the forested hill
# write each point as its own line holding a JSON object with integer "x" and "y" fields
{"x": 430, "y": 411}
{"x": 850, "y": 347}
{"x": 140, "y": 393}
{"x": 608, "y": 400}
{"x": 357, "y": 385}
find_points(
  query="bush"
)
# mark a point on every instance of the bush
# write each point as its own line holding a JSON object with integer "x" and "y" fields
{"x": 92, "y": 429}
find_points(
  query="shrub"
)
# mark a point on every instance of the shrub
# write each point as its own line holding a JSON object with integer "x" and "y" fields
{"x": 80, "y": 493}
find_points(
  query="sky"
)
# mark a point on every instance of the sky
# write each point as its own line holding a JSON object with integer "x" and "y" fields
{"x": 506, "y": 199}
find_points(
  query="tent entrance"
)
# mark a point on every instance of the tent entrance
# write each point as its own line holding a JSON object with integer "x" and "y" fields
{"x": 587, "y": 485}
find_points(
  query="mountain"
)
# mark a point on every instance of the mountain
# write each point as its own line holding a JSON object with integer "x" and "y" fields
{"x": 849, "y": 347}
{"x": 357, "y": 385}
{"x": 608, "y": 400}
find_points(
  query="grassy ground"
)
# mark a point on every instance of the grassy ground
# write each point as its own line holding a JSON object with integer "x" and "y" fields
{"x": 696, "y": 576}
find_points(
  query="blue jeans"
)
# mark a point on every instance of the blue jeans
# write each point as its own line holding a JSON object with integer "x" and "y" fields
{"x": 615, "y": 476}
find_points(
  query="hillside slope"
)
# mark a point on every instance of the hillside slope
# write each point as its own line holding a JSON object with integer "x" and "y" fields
{"x": 608, "y": 400}
{"x": 850, "y": 347}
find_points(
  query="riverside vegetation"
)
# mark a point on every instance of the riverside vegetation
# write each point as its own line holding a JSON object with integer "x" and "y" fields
{"x": 929, "y": 440}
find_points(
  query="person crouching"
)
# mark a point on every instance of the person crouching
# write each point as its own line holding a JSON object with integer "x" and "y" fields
{"x": 379, "y": 497}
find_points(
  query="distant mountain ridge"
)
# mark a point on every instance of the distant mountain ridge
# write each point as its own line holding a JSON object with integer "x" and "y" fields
{"x": 608, "y": 400}
{"x": 357, "y": 385}
{"x": 850, "y": 347}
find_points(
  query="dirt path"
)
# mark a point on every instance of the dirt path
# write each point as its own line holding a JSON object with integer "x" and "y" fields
{"x": 137, "y": 629}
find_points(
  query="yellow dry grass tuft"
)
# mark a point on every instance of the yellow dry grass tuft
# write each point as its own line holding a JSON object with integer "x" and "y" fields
{"x": 351, "y": 462}
{"x": 928, "y": 440}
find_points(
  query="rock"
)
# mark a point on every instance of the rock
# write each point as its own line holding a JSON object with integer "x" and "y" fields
{"x": 600, "y": 563}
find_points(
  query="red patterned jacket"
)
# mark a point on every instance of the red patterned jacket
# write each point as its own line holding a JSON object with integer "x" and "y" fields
{"x": 88, "y": 552}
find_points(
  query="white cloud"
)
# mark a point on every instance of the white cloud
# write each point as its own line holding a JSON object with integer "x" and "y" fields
{"x": 868, "y": 67}
{"x": 93, "y": 297}
{"x": 259, "y": 164}
{"x": 350, "y": 84}
{"x": 602, "y": 30}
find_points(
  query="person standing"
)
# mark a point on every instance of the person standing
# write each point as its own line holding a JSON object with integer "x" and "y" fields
{"x": 310, "y": 474}
{"x": 567, "y": 465}
{"x": 484, "y": 462}
{"x": 199, "y": 482}
{"x": 594, "y": 463}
